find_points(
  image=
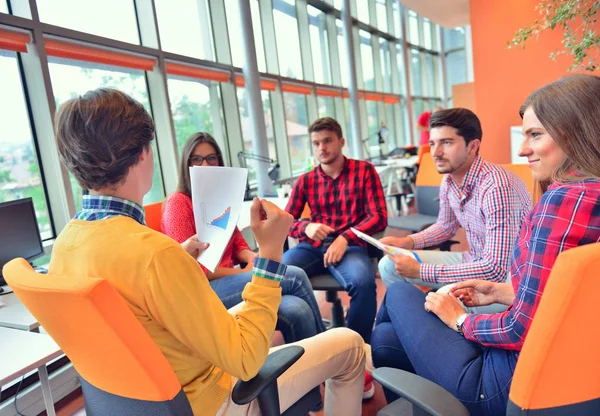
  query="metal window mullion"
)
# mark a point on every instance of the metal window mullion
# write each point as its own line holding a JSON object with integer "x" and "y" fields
{"x": 205, "y": 25}
{"x": 269, "y": 37}
{"x": 235, "y": 141}
{"x": 394, "y": 71}
{"x": 334, "y": 56}
{"x": 377, "y": 64}
{"x": 443, "y": 78}
{"x": 304, "y": 38}
{"x": 43, "y": 108}
{"x": 389, "y": 14}
{"x": 280, "y": 132}
{"x": 159, "y": 96}
{"x": 219, "y": 27}
{"x": 409, "y": 106}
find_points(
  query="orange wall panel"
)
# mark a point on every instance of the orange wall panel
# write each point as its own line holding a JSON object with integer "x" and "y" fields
{"x": 505, "y": 77}
{"x": 463, "y": 95}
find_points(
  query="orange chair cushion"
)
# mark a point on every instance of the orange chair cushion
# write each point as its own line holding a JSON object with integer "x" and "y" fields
{"x": 427, "y": 175}
{"x": 559, "y": 364}
{"x": 154, "y": 215}
{"x": 95, "y": 328}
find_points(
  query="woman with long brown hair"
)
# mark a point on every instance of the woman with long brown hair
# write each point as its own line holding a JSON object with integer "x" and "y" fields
{"x": 474, "y": 356}
{"x": 299, "y": 315}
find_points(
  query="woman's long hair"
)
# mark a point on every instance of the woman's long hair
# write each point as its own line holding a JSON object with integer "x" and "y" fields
{"x": 195, "y": 139}
{"x": 569, "y": 110}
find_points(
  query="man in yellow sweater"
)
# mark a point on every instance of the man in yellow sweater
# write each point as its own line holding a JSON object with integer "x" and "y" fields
{"x": 104, "y": 140}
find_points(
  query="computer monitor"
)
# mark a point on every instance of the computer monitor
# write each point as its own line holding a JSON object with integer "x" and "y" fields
{"x": 20, "y": 234}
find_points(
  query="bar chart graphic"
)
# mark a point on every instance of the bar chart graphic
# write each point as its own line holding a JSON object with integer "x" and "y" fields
{"x": 221, "y": 221}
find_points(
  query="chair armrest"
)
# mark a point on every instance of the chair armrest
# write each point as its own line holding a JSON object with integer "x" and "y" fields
{"x": 425, "y": 394}
{"x": 275, "y": 365}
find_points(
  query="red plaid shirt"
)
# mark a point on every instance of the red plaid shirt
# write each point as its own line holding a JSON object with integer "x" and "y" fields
{"x": 490, "y": 205}
{"x": 353, "y": 199}
{"x": 567, "y": 216}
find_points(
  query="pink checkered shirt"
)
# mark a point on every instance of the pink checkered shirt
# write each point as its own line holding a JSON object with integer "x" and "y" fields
{"x": 490, "y": 205}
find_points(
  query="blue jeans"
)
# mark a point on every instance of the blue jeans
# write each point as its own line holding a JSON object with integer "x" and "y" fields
{"x": 409, "y": 338}
{"x": 354, "y": 272}
{"x": 298, "y": 314}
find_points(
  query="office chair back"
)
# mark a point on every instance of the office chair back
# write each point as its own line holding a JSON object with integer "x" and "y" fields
{"x": 559, "y": 365}
{"x": 123, "y": 371}
{"x": 428, "y": 187}
{"x": 154, "y": 215}
{"x": 423, "y": 150}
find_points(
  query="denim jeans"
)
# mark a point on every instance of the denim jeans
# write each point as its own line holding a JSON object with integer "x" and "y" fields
{"x": 354, "y": 272}
{"x": 409, "y": 338}
{"x": 298, "y": 314}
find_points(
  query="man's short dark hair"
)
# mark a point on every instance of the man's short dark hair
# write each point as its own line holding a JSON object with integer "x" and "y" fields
{"x": 326, "y": 123}
{"x": 464, "y": 121}
{"x": 101, "y": 135}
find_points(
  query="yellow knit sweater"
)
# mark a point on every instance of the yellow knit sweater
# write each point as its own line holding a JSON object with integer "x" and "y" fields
{"x": 171, "y": 297}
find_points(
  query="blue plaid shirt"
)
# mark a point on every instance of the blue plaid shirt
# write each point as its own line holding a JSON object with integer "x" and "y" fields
{"x": 99, "y": 207}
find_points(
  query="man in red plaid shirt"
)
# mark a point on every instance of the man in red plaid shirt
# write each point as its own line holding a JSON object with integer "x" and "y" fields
{"x": 341, "y": 193}
{"x": 486, "y": 200}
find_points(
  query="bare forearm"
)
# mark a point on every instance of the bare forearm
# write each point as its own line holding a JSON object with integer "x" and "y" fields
{"x": 505, "y": 294}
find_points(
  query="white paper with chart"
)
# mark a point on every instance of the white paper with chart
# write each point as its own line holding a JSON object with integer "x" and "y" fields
{"x": 217, "y": 196}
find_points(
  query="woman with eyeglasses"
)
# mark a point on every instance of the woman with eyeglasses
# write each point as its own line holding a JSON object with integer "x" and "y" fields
{"x": 298, "y": 314}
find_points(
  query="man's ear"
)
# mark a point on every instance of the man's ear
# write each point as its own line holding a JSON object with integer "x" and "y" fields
{"x": 474, "y": 145}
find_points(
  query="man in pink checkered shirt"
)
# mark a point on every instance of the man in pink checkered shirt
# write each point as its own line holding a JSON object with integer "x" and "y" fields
{"x": 486, "y": 200}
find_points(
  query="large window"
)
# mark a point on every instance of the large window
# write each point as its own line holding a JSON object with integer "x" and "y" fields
{"x": 288, "y": 44}
{"x": 247, "y": 134}
{"x": 19, "y": 167}
{"x": 326, "y": 107}
{"x": 386, "y": 64}
{"x": 366, "y": 55}
{"x": 296, "y": 123}
{"x": 185, "y": 27}
{"x": 319, "y": 46}
{"x": 73, "y": 78}
{"x": 373, "y": 128}
{"x": 381, "y": 15}
{"x": 3, "y": 6}
{"x": 362, "y": 8}
{"x": 342, "y": 53}
{"x": 413, "y": 28}
{"x": 234, "y": 27}
{"x": 192, "y": 108}
{"x": 415, "y": 73}
{"x": 109, "y": 18}
{"x": 454, "y": 38}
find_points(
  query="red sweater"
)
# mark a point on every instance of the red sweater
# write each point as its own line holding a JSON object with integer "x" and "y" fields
{"x": 178, "y": 223}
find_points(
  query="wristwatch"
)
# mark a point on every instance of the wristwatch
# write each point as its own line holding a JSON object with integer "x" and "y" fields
{"x": 460, "y": 321}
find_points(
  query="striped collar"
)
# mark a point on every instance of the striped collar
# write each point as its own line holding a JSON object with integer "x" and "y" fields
{"x": 98, "y": 207}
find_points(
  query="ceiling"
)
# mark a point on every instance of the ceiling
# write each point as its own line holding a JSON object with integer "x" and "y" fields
{"x": 448, "y": 13}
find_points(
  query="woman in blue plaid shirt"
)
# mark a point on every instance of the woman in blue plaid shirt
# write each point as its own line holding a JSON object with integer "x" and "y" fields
{"x": 474, "y": 356}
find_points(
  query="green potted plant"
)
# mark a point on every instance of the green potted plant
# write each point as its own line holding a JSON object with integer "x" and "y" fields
{"x": 578, "y": 21}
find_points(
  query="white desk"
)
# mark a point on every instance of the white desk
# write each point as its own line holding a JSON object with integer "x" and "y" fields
{"x": 402, "y": 162}
{"x": 22, "y": 352}
{"x": 15, "y": 315}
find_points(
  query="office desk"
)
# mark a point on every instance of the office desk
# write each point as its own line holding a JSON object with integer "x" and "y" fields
{"x": 15, "y": 315}
{"x": 22, "y": 352}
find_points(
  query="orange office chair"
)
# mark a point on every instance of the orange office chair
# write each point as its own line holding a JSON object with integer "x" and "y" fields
{"x": 122, "y": 370}
{"x": 154, "y": 215}
{"x": 558, "y": 368}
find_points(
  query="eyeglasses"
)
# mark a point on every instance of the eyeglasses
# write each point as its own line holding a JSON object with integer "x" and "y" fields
{"x": 212, "y": 159}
